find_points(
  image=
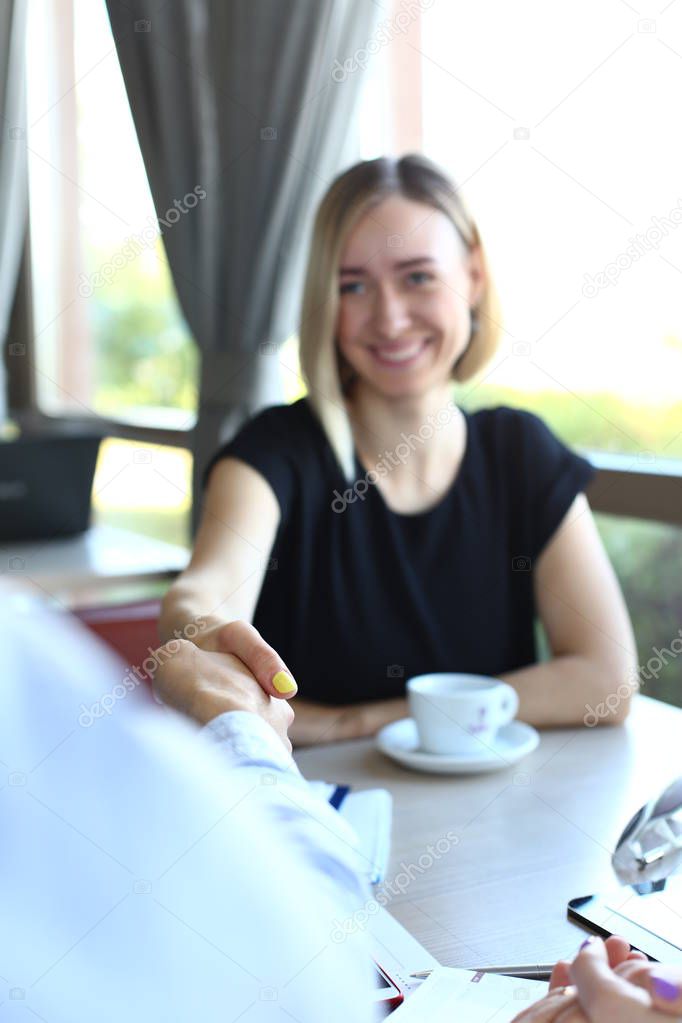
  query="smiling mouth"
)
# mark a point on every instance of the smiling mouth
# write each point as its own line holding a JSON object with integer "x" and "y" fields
{"x": 399, "y": 355}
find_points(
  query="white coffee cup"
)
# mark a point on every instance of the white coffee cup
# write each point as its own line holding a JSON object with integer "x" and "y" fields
{"x": 458, "y": 713}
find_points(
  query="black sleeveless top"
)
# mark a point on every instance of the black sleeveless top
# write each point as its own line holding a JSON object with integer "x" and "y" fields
{"x": 358, "y": 598}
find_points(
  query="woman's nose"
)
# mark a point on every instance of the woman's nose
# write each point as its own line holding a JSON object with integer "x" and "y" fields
{"x": 391, "y": 313}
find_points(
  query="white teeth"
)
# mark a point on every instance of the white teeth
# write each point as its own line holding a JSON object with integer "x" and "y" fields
{"x": 399, "y": 356}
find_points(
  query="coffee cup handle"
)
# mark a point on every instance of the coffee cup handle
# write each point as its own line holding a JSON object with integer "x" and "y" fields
{"x": 509, "y": 704}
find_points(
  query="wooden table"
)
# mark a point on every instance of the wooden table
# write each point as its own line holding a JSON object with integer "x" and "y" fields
{"x": 529, "y": 837}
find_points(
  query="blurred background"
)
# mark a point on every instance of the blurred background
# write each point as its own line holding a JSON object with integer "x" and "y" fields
{"x": 568, "y": 155}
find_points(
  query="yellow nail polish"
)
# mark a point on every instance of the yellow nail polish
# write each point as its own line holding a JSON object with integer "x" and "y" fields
{"x": 283, "y": 682}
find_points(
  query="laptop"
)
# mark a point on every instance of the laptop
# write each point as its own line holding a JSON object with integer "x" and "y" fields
{"x": 45, "y": 486}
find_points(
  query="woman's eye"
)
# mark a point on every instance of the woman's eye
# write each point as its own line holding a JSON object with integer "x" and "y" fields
{"x": 419, "y": 277}
{"x": 351, "y": 288}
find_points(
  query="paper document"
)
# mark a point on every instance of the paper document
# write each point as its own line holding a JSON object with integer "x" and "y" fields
{"x": 479, "y": 998}
{"x": 369, "y": 813}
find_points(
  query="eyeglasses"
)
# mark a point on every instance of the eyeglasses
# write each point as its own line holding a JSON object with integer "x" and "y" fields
{"x": 650, "y": 848}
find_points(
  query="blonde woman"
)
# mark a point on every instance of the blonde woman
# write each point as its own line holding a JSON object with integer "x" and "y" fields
{"x": 375, "y": 530}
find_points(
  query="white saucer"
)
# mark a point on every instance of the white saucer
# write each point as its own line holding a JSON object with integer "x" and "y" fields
{"x": 400, "y": 741}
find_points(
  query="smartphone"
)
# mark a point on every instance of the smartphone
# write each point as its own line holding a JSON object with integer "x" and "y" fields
{"x": 386, "y": 992}
{"x": 647, "y": 915}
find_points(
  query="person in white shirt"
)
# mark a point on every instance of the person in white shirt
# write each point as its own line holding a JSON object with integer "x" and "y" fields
{"x": 150, "y": 871}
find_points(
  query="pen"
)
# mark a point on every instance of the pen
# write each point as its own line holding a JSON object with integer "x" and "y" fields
{"x": 529, "y": 971}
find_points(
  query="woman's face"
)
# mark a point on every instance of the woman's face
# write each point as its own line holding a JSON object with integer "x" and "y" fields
{"x": 407, "y": 283}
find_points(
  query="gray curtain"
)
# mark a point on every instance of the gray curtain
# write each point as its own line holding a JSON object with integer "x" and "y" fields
{"x": 13, "y": 166}
{"x": 247, "y": 101}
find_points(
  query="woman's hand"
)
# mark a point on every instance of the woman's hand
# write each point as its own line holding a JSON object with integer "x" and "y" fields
{"x": 563, "y": 1003}
{"x": 315, "y": 722}
{"x": 605, "y": 994}
{"x": 663, "y": 983}
{"x": 618, "y": 952}
{"x": 203, "y": 684}
{"x": 318, "y": 723}
{"x": 242, "y": 640}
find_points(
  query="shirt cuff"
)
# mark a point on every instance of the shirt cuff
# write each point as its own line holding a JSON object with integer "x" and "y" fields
{"x": 246, "y": 739}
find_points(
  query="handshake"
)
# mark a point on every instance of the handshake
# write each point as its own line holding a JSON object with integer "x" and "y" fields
{"x": 228, "y": 667}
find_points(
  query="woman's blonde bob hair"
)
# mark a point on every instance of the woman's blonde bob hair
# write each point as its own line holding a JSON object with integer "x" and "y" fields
{"x": 348, "y": 198}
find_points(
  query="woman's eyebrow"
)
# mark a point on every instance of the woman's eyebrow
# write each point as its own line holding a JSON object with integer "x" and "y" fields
{"x": 400, "y": 265}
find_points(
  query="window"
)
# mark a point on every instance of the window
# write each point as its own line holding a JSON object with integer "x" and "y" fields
{"x": 110, "y": 336}
{"x": 646, "y": 557}
{"x": 146, "y": 488}
{"x": 565, "y": 155}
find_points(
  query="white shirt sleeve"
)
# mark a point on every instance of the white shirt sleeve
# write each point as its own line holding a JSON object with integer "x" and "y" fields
{"x": 248, "y": 744}
{"x": 245, "y": 738}
{"x": 147, "y": 873}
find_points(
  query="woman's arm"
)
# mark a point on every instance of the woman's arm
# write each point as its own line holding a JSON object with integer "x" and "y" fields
{"x": 230, "y": 556}
{"x": 221, "y": 587}
{"x": 317, "y": 723}
{"x": 214, "y": 599}
{"x": 594, "y": 668}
